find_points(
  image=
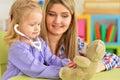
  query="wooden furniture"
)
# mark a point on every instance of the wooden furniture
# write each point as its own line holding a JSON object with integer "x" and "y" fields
{"x": 101, "y": 7}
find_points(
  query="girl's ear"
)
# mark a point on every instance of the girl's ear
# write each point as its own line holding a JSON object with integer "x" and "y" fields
{"x": 13, "y": 22}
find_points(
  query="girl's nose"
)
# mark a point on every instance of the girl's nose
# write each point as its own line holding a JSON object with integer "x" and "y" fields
{"x": 37, "y": 27}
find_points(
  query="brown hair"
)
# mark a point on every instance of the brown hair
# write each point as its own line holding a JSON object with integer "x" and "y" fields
{"x": 69, "y": 38}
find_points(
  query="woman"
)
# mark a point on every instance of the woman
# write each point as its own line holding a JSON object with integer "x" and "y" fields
{"x": 59, "y": 22}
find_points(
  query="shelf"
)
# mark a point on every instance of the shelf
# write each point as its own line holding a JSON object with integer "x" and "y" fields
{"x": 102, "y": 7}
{"x": 84, "y": 27}
{"x": 113, "y": 49}
{"x": 106, "y": 20}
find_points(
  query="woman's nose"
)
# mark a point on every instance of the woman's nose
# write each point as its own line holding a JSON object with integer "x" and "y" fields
{"x": 58, "y": 19}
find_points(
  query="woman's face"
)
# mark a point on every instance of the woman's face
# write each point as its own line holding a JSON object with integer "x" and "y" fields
{"x": 58, "y": 19}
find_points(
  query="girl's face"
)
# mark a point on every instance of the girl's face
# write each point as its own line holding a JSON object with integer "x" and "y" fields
{"x": 31, "y": 25}
{"x": 58, "y": 19}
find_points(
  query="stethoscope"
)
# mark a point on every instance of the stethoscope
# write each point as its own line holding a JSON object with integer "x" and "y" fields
{"x": 36, "y": 44}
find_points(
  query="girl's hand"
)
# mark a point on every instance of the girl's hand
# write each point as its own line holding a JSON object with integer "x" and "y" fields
{"x": 71, "y": 65}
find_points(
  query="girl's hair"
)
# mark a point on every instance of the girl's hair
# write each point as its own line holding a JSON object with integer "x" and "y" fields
{"x": 19, "y": 11}
{"x": 69, "y": 38}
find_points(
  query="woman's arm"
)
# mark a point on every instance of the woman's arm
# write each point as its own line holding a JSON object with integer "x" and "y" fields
{"x": 109, "y": 61}
{"x": 100, "y": 67}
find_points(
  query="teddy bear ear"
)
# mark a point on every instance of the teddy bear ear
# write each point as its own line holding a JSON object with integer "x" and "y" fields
{"x": 100, "y": 45}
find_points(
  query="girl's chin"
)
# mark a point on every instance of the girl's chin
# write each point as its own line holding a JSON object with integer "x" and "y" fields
{"x": 33, "y": 38}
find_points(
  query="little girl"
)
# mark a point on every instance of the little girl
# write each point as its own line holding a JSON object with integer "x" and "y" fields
{"x": 28, "y": 53}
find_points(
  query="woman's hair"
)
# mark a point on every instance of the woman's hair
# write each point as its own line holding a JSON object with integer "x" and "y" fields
{"x": 18, "y": 12}
{"x": 69, "y": 38}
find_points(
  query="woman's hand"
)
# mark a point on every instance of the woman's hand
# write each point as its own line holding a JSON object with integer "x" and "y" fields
{"x": 71, "y": 65}
{"x": 100, "y": 67}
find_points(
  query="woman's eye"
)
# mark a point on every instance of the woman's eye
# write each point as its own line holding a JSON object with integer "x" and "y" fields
{"x": 52, "y": 14}
{"x": 64, "y": 16}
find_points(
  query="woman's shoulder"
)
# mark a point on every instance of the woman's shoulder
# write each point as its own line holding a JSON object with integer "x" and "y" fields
{"x": 81, "y": 44}
{"x": 79, "y": 40}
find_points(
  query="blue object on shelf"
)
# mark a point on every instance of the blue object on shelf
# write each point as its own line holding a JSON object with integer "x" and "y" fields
{"x": 40, "y": 2}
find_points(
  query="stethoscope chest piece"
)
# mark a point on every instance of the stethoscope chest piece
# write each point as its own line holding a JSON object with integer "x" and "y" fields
{"x": 36, "y": 44}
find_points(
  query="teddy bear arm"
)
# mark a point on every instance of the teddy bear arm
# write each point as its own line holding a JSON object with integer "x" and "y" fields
{"x": 82, "y": 61}
{"x": 66, "y": 73}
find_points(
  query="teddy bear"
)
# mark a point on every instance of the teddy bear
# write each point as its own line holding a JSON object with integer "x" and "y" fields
{"x": 86, "y": 65}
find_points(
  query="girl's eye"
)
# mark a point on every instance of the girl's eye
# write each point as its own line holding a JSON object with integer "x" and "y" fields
{"x": 39, "y": 24}
{"x": 31, "y": 25}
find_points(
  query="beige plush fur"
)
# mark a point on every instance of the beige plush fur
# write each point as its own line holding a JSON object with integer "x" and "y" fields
{"x": 86, "y": 66}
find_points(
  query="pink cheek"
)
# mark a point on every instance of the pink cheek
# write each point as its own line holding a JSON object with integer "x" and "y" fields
{"x": 67, "y": 23}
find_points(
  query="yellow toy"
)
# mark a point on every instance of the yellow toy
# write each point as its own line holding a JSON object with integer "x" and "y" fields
{"x": 86, "y": 66}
